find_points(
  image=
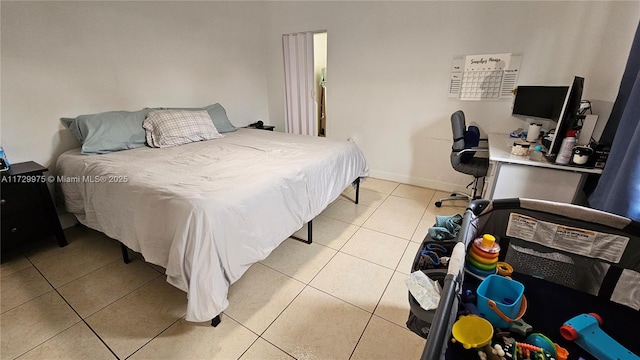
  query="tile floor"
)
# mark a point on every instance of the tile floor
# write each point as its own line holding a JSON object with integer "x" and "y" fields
{"x": 342, "y": 297}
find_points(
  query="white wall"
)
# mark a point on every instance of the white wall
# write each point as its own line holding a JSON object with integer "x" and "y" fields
{"x": 63, "y": 59}
{"x": 390, "y": 62}
{"x": 389, "y": 66}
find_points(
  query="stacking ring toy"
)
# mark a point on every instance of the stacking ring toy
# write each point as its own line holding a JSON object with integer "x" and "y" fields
{"x": 480, "y": 266}
{"x": 504, "y": 269}
{"x": 487, "y": 243}
{"x": 481, "y": 259}
{"x": 479, "y": 272}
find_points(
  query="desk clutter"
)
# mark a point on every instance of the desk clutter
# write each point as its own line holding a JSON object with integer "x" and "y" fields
{"x": 520, "y": 148}
{"x": 534, "y": 144}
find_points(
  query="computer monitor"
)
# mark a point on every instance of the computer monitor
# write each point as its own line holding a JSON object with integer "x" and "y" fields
{"x": 539, "y": 102}
{"x": 568, "y": 116}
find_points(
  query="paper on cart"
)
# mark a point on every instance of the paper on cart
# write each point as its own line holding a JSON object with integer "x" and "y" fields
{"x": 425, "y": 290}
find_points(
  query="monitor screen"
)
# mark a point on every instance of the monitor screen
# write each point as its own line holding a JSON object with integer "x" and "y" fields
{"x": 543, "y": 102}
{"x": 568, "y": 116}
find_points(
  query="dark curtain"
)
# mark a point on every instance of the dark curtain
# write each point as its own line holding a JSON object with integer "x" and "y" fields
{"x": 618, "y": 190}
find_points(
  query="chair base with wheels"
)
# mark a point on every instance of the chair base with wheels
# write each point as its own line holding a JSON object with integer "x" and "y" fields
{"x": 463, "y": 196}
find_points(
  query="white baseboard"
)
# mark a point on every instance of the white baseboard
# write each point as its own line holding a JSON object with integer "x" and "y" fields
{"x": 416, "y": 181}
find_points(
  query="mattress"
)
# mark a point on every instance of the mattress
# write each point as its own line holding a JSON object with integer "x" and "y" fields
{"x": 207, "y": 211}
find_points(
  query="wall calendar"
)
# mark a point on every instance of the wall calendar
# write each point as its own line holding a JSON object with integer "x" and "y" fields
{"x": 484, "y": 77}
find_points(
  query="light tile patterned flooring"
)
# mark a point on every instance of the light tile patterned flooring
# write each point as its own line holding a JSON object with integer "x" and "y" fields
{"x": 342, "y": 297}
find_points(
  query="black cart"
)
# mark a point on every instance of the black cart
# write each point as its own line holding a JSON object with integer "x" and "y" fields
{"x": 571, "y": 260}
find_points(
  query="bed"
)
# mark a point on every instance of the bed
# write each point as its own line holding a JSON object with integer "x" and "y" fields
{"x": 207, "y": 210}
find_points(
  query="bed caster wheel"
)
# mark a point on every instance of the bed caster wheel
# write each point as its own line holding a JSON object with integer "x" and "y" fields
{"x": 438, "y": 203}
{"x": 216, "y": 321}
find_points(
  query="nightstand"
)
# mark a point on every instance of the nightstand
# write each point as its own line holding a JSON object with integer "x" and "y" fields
{"x": 264, "y": 127}
{"x": 27, "y": 208}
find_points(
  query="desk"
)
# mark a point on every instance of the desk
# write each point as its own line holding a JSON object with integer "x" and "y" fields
{"x": 512, "y": 176}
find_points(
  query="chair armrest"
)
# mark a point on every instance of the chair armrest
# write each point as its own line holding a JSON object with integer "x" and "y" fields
{"x": 474, "y": 149}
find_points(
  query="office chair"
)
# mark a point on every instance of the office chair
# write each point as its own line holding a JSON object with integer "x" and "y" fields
{"x": 465, "y": 146}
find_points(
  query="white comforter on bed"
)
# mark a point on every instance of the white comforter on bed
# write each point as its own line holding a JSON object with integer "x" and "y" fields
{"x": 206, "y": 211}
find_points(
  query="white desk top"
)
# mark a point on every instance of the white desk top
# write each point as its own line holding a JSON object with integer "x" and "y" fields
{"x": 500, "y": 150}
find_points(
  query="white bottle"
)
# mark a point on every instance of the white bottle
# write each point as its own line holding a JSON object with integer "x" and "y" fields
{"x": 566, "y": 150}
{"x": 534, "y": 132}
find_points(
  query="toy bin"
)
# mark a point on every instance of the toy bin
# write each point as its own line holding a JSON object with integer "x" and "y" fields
{"x": 500, "y": 300}
{"x": 566, "y": 259}
{"x": 420, "y": 320}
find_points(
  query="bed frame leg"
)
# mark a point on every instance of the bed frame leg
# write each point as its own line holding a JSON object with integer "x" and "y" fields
{"x": 215, "y": 321}
{"x": 125, "y": 253}
{"x": 356, "y": 183}
{"x": 309, "y": 233}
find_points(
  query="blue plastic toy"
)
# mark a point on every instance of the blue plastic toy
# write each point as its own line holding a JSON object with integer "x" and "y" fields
{"x": 585, "y": 331}
{"x": 468, "y": 300}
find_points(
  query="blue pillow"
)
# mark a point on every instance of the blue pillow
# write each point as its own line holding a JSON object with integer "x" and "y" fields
{"x": 218, "y": 116}
{"x": 108, "y": 131}
{"x": 72, "y": 125}
{"x": 471, "y": 140}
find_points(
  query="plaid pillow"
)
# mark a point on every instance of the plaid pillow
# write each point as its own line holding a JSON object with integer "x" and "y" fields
{"x": 165, "y": 128}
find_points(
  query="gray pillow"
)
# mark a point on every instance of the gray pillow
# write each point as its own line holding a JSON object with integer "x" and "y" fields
{"x": 108, "y": 131}
{"x": 218, "y": 116}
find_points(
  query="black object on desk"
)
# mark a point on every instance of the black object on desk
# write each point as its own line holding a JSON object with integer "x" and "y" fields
{"x": 27, "y": 208}
{"x": 260, "y": 125}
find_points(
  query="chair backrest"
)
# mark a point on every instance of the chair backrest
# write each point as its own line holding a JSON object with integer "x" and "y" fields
{"x": 463, "y": 138}
{"x": 458, "y": 127}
